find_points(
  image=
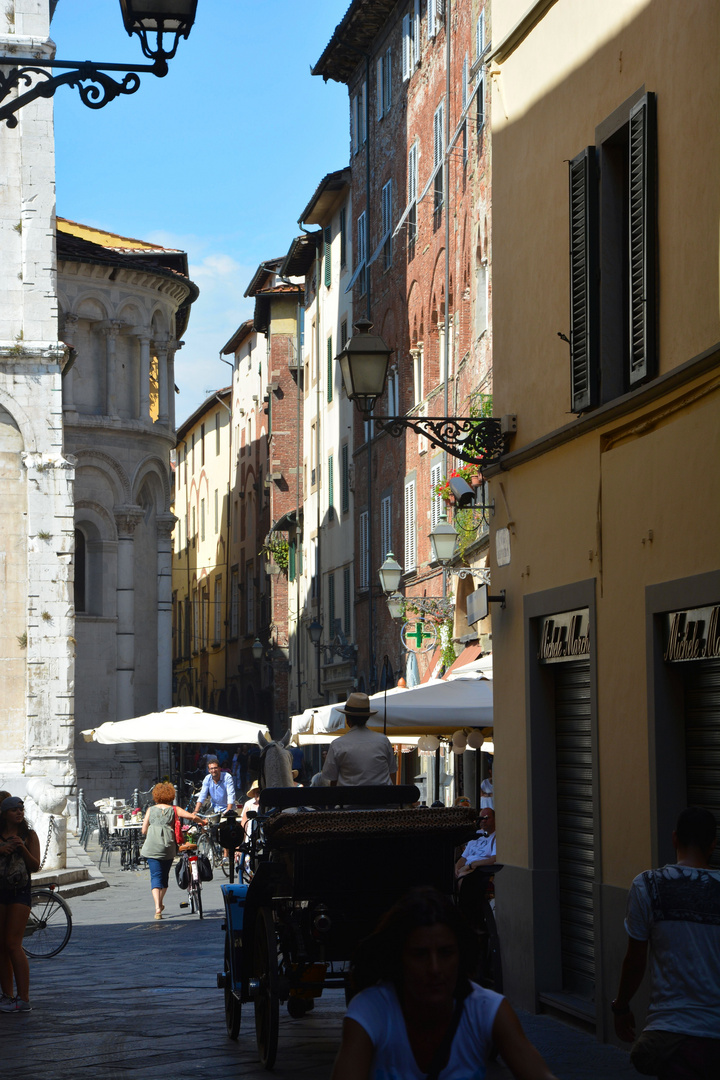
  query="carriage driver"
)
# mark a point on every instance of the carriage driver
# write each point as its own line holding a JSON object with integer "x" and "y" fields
{"x": 219, "y": 787}
{"x": 360, "y": 756}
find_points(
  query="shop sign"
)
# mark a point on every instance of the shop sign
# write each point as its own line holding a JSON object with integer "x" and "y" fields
{"x": 502, "y": 547}
{"x": 693, "y": 634}
{"x": 564, "y": 637}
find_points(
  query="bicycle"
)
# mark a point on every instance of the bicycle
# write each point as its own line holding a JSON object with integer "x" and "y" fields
{"x": 49, "y": 924}
{"x": 189, "y": 853}
{"x": 209, "y": 844}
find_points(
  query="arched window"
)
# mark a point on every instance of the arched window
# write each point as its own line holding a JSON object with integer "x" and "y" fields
{"x": 80, "y": 588}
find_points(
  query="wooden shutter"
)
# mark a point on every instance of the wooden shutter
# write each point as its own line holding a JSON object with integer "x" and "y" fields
{"x": 387, "y": 81}
{"x": 345, "y": 483}
{"x": 364, "y": 551}
{"x": 480, "y": 34}
{"x": 416, "y": 35}
{"x": 327, "y": 255}
{"x": 331, "y": 487}
{"x": 379, "y": 89}
{"x": 437, "y": 471}
{"x": 292, "y": 550}
{"x": 330, "y": 359}
{"x": 643, "y": 141}
{"x": 331, "y": 605}
{"x": 432, "y": 25}
{"x": 410, "y": 527}
{"x": 465, "y": 68}
{"x": 362, "y": 125}
{"x": 583, "y": 281}
{"x": 406, "y": 47}
{"x": 347, "y": 600}
{"x": 385, "y": 526}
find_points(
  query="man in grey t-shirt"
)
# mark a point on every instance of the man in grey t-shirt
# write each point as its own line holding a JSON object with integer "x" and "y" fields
{"x": 360, "y": 756}
{"x": 676, "y": 911}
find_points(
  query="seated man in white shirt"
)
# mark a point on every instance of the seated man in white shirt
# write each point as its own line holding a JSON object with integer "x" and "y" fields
{"x": 481, "y": 851}
{"x": 361, "y": 756}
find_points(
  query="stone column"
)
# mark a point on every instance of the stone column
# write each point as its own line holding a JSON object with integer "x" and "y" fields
{"x": 111, "y": 330}
{"x": 173, "y": 346}
{"x": 144, "y": 339}
{"x": 165, "y": 526}
{"x": 68, "y": 336}
{"x": 163, "y": 389}
{"x": 127, "y": 519}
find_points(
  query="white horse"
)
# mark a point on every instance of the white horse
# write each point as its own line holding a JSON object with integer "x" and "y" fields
{"x": 275, "y": 762}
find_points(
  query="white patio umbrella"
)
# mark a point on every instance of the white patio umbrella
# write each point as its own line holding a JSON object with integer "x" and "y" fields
{"x": 181, "y": 724}
{"x": 482, "y": 667}
{"x": 437, "y": 707}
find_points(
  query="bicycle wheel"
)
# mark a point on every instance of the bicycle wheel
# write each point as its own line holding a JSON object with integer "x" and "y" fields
{"x": 195, "y": 891}
{"x": 48, "y": 927}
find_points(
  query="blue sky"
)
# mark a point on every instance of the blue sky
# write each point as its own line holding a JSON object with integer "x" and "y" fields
{"x": 219, "y": 158}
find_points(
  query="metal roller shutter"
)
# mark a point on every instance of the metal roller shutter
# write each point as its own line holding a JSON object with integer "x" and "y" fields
{"x": 575, "y": 826}
{"x": 702, "y": 737}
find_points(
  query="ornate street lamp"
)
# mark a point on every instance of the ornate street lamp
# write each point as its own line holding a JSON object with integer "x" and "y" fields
{"x": 364, "y": 363}
{"x": 258, "y": 649}
{"x": 390, "y": 574}
{"x": 347, "y": 652}
{"x": 443, "y": 541}
{"x": 168, "y": 20}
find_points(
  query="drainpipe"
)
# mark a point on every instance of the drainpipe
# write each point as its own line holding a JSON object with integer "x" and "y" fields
{"x": 227, "y": 522}
{"x": 372, "y": 680}
{"x": 446, "y": 192}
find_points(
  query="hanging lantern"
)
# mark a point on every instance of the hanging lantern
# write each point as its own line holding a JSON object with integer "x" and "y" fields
{"x": 475, "y": 740}
{"x": 459, "y": 740}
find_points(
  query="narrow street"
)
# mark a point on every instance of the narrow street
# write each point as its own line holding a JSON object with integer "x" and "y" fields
{"x": 136, "y": 999}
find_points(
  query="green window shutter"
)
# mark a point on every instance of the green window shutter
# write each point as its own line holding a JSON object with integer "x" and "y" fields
{"x": 299, "y": 559}
{"x": 330, "y": 359}
{"x": 584, "y": 300}
{"x": 345, "y": 480}
{"x": 327, "y": 236}
{"x": 291, "y": 560}
{"x": 331, "y": 605}
{"x": 331, "y": 488}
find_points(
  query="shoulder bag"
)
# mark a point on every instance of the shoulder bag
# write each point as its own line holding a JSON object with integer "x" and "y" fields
{"x": 179, "y": 838}
{"x": 13, "y": 871}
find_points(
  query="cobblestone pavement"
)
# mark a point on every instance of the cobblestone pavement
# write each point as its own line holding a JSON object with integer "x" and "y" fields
{"x": 133, "y": 998}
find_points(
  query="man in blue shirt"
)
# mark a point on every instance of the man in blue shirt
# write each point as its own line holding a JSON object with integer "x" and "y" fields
{"x": 219, "y": 787}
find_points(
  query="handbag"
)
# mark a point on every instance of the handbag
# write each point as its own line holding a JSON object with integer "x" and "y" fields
{"x": 179, "y": 838}
{"x": 182, "y": 872}
{"x": 204, "y": 868}
{"x": 13, "y": 871}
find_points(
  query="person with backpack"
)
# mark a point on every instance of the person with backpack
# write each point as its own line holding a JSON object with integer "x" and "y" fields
{"x": 19, "y": 858}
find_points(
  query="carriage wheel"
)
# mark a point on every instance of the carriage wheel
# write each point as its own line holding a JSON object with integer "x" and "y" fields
{"x": 233, "y": 1008}
{"x": 267, "y": 1004}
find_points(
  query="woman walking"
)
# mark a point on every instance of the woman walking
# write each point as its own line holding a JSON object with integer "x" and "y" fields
{"x": 160, "y": 849}
{"x": 19, "y": 858}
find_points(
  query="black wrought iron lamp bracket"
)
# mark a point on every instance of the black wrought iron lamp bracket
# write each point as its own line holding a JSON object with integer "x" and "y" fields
{"x": 101, "y": 88}
{"x": 478, "y": 441}
{"x": 347, "y": 652}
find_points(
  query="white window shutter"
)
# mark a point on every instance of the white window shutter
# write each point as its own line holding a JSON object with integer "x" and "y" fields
{"x": 465, "y": 82}
{"x": 385, "y": 526}
{"x": 416, "y": 34}
{"x": 410, "y": 527}
{"x": 353, "y": 126}
{"x": 480, "y": 34}
{"x": 379, "y": 93}
{"x": 406, "y": 47}
{"x": 431, "y": 19}
{"x": 437, "y": 472}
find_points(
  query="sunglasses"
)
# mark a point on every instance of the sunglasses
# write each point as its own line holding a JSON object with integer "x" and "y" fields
{"x": 486, "y": 818}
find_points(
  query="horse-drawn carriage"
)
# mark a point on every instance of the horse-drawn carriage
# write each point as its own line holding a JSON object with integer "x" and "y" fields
{"x": 331, "y": 864}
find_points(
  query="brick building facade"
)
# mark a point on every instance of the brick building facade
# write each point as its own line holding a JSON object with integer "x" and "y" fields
{"x": 420, "y": 162}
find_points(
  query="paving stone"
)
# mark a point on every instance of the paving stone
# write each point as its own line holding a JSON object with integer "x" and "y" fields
{"x": 134, "y": 998}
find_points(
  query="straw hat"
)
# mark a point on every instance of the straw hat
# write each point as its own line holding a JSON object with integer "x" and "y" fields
{"x": 357, "y": 707}
{"x": 254, "y": 787}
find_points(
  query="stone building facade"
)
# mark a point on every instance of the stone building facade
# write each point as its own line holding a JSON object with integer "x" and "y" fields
{"x": 123, "y": 306}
